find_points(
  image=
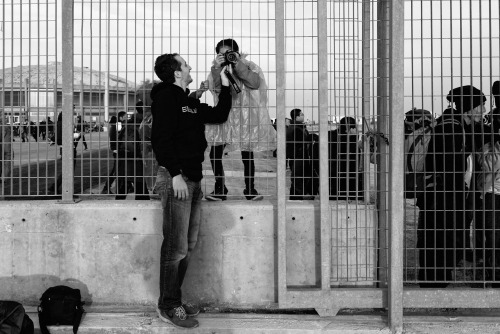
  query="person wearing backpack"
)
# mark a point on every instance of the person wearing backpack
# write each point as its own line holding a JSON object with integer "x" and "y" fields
{"x": 416, "y": 119}
{"x": 444, "y": 225}
{"x": 418, "y": 132}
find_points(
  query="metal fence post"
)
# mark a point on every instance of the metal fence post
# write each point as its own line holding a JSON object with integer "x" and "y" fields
{"x": 396, "y": 168}
{"x": 382, "y": 158}
{"x": 281, "y": 170}
{"x": 68, "y": 158}
{"x": 366, "y": 87}
{"x": 326, "y": 223}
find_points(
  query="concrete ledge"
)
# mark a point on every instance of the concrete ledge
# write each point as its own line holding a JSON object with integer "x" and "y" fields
{"x": 110, "y": 250}
{"x": 149, "y": 323}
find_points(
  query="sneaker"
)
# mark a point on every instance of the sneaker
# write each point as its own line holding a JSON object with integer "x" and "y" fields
{"x": 217, "y": 196}
{"x": 191, "y": 310}
{"x": 178, "y": 317}
{"x": 252, "y": 195}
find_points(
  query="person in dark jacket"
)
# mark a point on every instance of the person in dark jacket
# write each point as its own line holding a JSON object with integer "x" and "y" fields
{"x": 129, "y": 168}
{"x": 113, "y": 138}
{"x": 80, "y": 128}
{"x": 443, "y": 232}
{"x": 344, "y": 155}
{"x": 148, "y": 157}
{"x": 487, "y": 218}
{"x": 178, "y": 139}
{"x": 298, "y": 147}
{"x": 494, "y": 116}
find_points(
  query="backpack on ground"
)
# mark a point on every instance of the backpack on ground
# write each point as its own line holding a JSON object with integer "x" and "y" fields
{"x": 14, "y": 320}
{"x": 60, "y": 305}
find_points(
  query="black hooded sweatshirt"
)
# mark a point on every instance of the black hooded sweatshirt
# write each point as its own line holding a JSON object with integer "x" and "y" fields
{"x": 178, "y": 131}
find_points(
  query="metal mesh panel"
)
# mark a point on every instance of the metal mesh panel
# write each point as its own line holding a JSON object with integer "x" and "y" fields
{"x": 352, "y": 179}
{"x": 115, "y": 46}
{"x": 28, "y": 96}
{"x": 450, "y": 230}
{"x": 123, "y": 41}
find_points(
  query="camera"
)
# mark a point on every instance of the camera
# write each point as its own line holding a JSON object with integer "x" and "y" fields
{"x": 230, "y": 57}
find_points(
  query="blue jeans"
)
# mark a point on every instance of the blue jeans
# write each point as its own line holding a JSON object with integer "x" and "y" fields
{"x": 181, "y": 224}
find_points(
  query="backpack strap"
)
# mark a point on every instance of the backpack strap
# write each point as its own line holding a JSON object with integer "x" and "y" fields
{"x": 454, "y": 121}
{"x": 42, "y": 321}
{"x": 77, "y": 319}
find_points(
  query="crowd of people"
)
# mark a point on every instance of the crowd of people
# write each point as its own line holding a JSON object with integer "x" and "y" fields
{"x": 161, "y": 148}
{"x": 458, "y": 196}
{"x": 456, "y": 192}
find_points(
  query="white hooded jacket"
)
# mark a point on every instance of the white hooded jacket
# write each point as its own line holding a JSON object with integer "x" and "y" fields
{"x": 249, "y": 126}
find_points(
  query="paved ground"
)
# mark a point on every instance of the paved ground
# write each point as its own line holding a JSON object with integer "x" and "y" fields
{"x": 147, "y": 322}
{"x": 37, "y": 163}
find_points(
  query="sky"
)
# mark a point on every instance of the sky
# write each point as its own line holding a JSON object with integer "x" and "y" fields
{"x": 448, "y": 43}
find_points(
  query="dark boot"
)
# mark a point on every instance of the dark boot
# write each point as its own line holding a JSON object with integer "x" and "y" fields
{"x": 220, "y": 191}
{"x": 250, "y": 192}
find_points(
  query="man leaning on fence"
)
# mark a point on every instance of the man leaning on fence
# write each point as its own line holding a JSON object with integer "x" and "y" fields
{"x": 178, "y": 139}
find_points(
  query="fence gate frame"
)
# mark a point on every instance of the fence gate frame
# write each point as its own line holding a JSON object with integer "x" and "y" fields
{"x": 324, "y": 299}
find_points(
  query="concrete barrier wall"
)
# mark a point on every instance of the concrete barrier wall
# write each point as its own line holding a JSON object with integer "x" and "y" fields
{"x": 110, "y": 250}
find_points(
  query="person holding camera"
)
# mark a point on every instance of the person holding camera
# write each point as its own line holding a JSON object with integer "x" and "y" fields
{"x": 248, "y": 127}
{"x": 178, "y": 140}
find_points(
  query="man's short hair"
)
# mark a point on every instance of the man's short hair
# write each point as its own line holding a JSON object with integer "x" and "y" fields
{"x": 166, "y": 65}
{"x": 230, "y": 43}
{"x": 121, "y": 114}
{"x": 295, "y": 113}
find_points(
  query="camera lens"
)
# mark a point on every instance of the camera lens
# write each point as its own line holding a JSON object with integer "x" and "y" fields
{"x": 231, "y": 56}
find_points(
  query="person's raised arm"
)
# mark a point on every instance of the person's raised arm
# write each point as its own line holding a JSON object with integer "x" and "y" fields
{"x": 215, "y": 71}
{"x": 250, "y": 77}
{"x": 219, "y": 113}
{"x": 199, "y": 92}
